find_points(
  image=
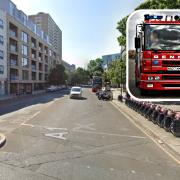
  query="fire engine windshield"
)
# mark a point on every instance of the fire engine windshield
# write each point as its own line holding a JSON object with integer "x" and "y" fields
{"x": 162, "y": 37}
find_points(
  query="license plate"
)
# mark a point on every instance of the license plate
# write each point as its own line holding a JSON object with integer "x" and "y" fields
{"x": 173, "y": 68}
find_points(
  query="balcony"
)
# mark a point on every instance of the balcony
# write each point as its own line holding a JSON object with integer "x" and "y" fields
{"x": 33, "y": 66}
{"x": 14, "y": 77}
{"x": 13, "y": 48}
{"x": 12, "y": 34}
{"x": 13, "y": 62}
{"x": 33, "y": 56}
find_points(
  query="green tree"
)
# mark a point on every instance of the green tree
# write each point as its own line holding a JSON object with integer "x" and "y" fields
{"x": 116, "y": 73}
{"x": 57, "y": 75}
{"x": 95, "y": 67}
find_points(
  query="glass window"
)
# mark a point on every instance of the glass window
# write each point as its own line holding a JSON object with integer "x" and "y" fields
{"x": 25, "y": 62}
{"x": 1, "y": 55}
{"x": 25, "y": 75}
{"x": 1, "y": 69}
{"x": 24, "y": 50}
{"x": 162, "y": 37}
{"x": 1, "y": 23}
{"x": 24, "y": 37}
{"x": 1, "y": 40}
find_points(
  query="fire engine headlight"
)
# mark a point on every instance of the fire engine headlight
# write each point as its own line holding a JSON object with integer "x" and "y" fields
{"x": 150, "y": 78}
{"x": 157, "y": 78}
{"x": 155, "y": 62}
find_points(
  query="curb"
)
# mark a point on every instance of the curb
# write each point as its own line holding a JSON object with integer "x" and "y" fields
{"x": 156, "y": 139}
{"x": 2, "y": 140}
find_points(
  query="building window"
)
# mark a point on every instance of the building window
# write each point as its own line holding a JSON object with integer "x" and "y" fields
{"x": 1, "y": 69}
{"x": 24, "y": 50}
{"x": 1, "y": 55}
{"x": 1, "y": 40}
{"x": 24, "y": 37}
{"x": 25, "y": 75}
{"x": 1, "y": 24}
{"x": 25, "y": 62}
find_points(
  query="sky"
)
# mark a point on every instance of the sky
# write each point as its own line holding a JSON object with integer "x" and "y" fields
{"x": 88, "y": 26}
{"x": 138, "y": 17}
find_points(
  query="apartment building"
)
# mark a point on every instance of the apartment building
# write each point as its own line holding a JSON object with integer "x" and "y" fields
{"x": 47, "y": 24}
{"x": 3, "y": 53}
{"x": 30, "y": 55}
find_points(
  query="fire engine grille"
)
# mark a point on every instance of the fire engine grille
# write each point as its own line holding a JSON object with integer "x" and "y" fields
{"x": 170, "y": 63}
{"x": 171, "y": 77}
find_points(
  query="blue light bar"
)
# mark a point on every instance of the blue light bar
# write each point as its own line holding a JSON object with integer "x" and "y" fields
{"x": 148, "y": 17}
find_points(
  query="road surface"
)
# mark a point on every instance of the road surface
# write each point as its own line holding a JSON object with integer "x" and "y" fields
{"x": 58, "y": 138}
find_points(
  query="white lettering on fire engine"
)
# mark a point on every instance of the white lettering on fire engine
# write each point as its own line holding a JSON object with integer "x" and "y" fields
{"x": 171, "y": 57}
{"x": 173, "y": 68}
{"x": 163, "y": 57}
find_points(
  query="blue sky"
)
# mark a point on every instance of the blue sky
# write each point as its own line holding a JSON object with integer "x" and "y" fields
{"x": 88, "y": 26}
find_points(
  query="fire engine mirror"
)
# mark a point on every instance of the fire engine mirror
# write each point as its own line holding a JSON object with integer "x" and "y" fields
{"x": 137, "y": 42}
{"x": 153, "y": 55}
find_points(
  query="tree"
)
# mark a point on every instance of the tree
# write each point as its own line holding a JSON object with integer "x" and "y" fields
{"x": 116, "y": 73}
{"x": 148, "y": 4}
{"x": 57, "y": 75}
{"x": 95, "y": 67}
{"x": 80, "y": 76}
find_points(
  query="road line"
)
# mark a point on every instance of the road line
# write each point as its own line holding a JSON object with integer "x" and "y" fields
{"x": 142, "y": 130}
{"x": 109, "y": 134}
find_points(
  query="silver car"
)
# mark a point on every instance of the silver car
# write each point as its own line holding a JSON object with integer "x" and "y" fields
{"x": 76, "y": 92}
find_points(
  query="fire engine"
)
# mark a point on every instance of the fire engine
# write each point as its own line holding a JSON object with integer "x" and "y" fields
{"x": 157, "y": 60}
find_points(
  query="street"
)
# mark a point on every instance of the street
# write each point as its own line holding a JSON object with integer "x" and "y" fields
{"x": 68, "y": 139}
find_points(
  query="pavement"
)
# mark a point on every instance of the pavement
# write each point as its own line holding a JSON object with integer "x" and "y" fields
{"x": 56, "y": 138}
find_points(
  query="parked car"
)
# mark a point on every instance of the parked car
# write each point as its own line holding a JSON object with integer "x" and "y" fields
{"x": 76, "y": 92}
{"x": 52, "y": 89}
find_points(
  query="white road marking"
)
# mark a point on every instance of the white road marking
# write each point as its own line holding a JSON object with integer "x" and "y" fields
{"x": 109, "y": 134}
{"x": 53, "y": 129}
{"x": 111, "y": 169}
{"x": 84, "y": 126}
{"x": 24, "y": 124}
{"x": 133, "y": 171}
{"x": 57, "y": 135}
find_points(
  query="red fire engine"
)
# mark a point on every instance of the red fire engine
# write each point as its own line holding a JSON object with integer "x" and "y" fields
{"x": 157, "y": 61}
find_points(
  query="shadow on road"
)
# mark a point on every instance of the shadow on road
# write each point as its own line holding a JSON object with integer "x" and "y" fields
{"x": 19, "y": 103}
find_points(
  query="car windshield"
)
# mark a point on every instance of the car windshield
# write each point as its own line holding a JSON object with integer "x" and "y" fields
{"x": 76, "y": 89}
{"x": 162, "y": 37}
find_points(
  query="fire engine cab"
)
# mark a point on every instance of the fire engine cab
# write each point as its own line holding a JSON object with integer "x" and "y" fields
{"x": 157, "y": 61}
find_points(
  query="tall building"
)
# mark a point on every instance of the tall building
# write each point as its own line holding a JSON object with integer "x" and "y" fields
{"x": 107, "y": 59}
{"x": 3, "y": 53}
{"x": 29, "y": 56}
{"x": 47, "y": 24}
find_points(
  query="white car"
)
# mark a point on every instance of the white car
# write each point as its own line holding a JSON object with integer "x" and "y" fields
{"x": 76, "y": 92}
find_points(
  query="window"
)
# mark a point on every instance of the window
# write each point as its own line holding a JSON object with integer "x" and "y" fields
{"x": 25, "y": 62}
{"x": 1, "y": 55}
{"x": 1, "y": 24}
{"x": 1, "y": 69}
{"x": 24, "y": 37}
{"x": 24, "y": 50}
{"x": 25, "y": 75}
{"x": 1, "y": 40}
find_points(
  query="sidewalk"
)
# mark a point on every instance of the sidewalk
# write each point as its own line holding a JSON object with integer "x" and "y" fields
{"x": 169, "y": 143}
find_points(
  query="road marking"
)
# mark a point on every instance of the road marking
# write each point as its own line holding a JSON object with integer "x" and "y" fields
{"x": 53, "y": 129}
{"x": 109, "y": 134}
{"x": 142, "y": 130}
{"x": 84, "y": 126}
{"x": 24, "y": 124}
{"x": 57, "y": 135}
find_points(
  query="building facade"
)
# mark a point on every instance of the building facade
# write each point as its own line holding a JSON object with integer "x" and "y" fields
{"x": 30, "y": 56}
{"x": 3, "y": 53}
{"x": 47, "y": 24}
{"x": 69, "y": 67}
{"x": 107, "y": 59}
